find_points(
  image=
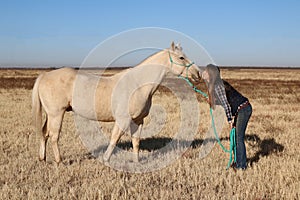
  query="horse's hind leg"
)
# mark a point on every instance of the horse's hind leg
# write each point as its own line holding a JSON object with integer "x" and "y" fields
{"x": 55, "y": 127}
{"x": 43, "y": 140}
{"x": 116, "y": 135}
{"x": 136, "y": 141}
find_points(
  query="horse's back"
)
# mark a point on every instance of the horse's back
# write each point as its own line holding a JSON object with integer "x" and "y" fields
{"x": 92, "y": 96}
{"x": 62, "y": 74}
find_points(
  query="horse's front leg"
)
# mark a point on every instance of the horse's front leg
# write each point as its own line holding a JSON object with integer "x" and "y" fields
{"x": 116, "y": 135}
{"x": 136, "y": 142}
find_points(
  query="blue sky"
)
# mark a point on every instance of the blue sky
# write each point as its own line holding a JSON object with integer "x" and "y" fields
{"x": 239, "y": 33}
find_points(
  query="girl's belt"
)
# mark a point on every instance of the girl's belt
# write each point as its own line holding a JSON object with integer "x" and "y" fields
{"x": 243, "y": 105}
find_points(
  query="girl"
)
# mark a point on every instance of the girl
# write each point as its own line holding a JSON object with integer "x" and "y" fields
{"x": 237, "y": 108}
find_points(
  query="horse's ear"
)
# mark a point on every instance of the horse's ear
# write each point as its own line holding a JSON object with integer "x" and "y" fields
{"x": 178, "y": 46}
{"x": 173, "y": 46}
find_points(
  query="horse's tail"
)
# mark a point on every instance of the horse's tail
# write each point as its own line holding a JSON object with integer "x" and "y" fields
{"x": 37, "y": 106}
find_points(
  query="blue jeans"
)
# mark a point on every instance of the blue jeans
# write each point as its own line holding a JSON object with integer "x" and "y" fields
{"x": 241, "y": 124}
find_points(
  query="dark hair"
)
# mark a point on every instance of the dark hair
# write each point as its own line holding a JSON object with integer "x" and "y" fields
{"x": 214, "y": 80}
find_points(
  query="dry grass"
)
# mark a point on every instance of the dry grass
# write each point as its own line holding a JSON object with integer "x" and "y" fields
{"x": 272, "y": 146}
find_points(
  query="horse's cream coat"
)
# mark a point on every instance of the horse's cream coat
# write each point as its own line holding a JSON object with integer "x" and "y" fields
{"x": 124, "y": 98}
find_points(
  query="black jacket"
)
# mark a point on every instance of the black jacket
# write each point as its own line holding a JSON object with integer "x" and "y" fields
{"x": 234, "y": 97}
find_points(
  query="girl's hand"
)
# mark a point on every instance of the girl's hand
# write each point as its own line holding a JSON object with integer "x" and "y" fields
{"x": 207, "y": 100}
{"x": 231, "y": 124}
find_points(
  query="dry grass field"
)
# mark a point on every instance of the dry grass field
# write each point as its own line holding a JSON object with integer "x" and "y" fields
{"x": 272, "y": 142}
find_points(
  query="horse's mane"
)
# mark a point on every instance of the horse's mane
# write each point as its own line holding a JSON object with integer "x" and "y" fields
{"x": 144, "y": 60}
{"x": 149, "y": 57}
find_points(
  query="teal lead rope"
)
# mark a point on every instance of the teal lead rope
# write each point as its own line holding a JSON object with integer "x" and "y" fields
{"x": 232, "y": 132}
{"x": 232, "y": 141}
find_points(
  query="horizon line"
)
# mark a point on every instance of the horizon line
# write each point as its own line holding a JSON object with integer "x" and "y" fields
{"x": 126, "y": 67}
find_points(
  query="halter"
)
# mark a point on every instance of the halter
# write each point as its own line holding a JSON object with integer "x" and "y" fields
{"x": 186, "y": 66}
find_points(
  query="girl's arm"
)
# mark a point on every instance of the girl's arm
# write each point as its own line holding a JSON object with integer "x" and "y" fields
{"x": 220, "y": 93}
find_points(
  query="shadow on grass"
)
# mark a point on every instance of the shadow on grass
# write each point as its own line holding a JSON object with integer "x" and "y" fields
{"x": 165, "y": 144}
{"x": 266, "y": 147}
{"x": 148, "y": 144}
{"x": 152, "y": 144}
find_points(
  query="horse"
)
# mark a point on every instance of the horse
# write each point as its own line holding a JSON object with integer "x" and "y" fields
{"x": 124, "y": 98}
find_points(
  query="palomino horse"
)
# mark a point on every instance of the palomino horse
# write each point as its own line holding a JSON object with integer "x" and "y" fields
{"x": 124, "y": 97}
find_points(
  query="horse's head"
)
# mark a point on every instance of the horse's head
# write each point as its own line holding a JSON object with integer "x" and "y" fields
{"x": 181, "y": 65}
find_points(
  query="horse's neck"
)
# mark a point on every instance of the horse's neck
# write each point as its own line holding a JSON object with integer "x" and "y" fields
{"x": 157, "y": 61}
{"x": 154, "y": 69}
{"x": 146, "y": 76}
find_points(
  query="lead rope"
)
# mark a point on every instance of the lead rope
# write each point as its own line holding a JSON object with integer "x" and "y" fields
{"x": 232, "y": 148}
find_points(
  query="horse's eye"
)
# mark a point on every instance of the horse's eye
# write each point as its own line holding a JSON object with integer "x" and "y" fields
{"x": 181, "y": 58}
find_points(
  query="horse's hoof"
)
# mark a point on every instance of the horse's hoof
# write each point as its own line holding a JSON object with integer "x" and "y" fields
{"x": 136, "y": 160}
{"x": 105, "y": 158}
{"x": 58, "y": 160}
{"x": 42, "y": 159}
{"x": 105, "y": 161}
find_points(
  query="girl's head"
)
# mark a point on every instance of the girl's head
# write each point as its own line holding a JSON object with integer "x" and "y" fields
{"x": 211, "y": 76}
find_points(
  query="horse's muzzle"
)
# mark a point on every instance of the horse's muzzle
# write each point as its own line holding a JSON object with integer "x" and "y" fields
{"x": 196, "y": 78}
